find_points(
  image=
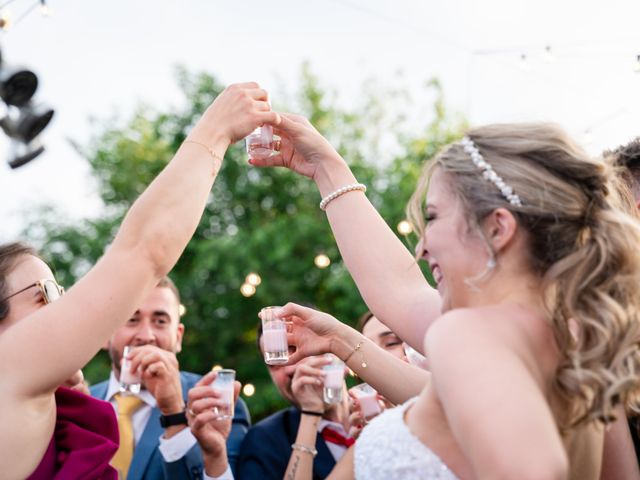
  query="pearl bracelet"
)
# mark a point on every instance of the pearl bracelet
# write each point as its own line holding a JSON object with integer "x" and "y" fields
{"x": 341, "y": 191}
{"x": 304, "y": 448}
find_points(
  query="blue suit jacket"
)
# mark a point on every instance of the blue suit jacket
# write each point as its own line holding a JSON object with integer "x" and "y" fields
{"x": 266, "y": 449}
{"x": 148, "y": 463}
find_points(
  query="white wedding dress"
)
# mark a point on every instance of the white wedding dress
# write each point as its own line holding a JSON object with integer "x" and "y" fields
{"x": 387, "y": 450}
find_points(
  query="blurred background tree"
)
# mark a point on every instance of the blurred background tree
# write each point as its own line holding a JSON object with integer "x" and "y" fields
{"x": 256, "y": 221}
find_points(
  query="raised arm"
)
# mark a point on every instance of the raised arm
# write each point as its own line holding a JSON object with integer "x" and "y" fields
{"x": 385, "y": 272}
{"x": 42, "y": 350}
{"x": 314, "y": 333}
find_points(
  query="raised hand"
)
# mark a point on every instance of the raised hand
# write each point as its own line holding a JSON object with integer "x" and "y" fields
{"x": 210, "y": 431}
{"x": 160, "y": 375}
{"x": 235, "y": 113}
{"x": 312, "y": 331}
{"x": 302, "y": 148}
{"x": 308, "y": 382}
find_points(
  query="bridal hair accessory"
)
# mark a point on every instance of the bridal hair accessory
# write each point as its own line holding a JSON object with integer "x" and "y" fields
{"x": 488, "y": 172}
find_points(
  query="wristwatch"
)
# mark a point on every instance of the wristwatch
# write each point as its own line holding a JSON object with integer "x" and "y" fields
{"x": 179, "y": 418}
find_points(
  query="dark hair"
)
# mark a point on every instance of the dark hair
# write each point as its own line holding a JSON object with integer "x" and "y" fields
{"x": 363, "y": 320}
{"x": 627, "y": 157}
{"x": 10, "y": 253}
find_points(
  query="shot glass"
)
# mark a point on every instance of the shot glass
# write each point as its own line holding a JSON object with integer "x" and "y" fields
{"x": 129, "y": 382}
{"x": 260, "y": 142}
{"x": 224, "y": 385}
{"x": 415, "y": 357}
{"x": 274, "y": 337}
{"x": 368, "y": 399}
{"x": 333, "y": 381}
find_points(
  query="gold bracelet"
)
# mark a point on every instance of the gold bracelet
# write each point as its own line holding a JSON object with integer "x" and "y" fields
{"x": 304, "y": 448}
{"x": 211, "y": 151}
{"x": 357, "y": 349}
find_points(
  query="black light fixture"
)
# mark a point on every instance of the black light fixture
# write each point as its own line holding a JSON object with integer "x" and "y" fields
{"x": 22, "y": 153}
{"x": 23, "y": 119}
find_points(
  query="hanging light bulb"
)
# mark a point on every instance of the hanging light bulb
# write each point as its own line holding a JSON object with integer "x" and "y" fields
{"x": 6, "y": 20}
{"x": 247, "y": 290}
{"x": 524, "y": 63}
{"x": 322, "y": 261}
{"x": 215, "y": 368}
{"x": 636, "y": 67}
{"x": 253, "y": 279}
{"x": 248, "y": 390}
{"x": 182, "y": 310}
{"x": 548, "y": 55}
{"x": 404, "y": 228}
{"x": 587, "y": 137}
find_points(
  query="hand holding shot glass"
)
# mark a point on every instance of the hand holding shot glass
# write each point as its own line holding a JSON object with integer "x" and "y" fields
{"x": 274, "y": 337}
{"x": 224, "y": 385}
{"x": 333, "y": 380}
{"x": 368, "y": 400}
{"x": 129, "y": 382}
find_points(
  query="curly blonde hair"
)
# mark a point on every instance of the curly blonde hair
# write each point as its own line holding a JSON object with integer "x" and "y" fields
{"x": 584, "y": 240}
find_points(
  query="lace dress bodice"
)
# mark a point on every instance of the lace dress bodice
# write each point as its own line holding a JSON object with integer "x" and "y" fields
{"x": 387, "y": 450}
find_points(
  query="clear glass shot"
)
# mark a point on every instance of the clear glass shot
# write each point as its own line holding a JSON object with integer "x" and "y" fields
{"x": 368, "y": 399}
{"x": 129, "y": 382}
{"x": 333, "y": 381}
{"x": 224, "y": 384}
{"x": 274, "y": 337}
{"x": 260, "y": 142}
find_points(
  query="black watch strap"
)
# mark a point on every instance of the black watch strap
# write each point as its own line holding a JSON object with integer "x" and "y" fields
{"x": 179, "y": 418}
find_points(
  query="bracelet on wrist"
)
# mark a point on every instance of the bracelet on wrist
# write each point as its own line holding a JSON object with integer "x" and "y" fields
{"x": 304, "y": 448}
{"x": 341, "y": 191}
{"x": 357, "y": 348}
{"x": 311, "y": 412}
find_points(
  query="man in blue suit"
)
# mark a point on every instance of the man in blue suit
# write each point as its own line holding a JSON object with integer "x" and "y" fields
{"x": 266, "y": 449}
{"x": 167, "y": 451}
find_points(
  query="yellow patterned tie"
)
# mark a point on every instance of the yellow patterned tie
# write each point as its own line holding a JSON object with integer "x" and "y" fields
{"x": 127, "y": 404}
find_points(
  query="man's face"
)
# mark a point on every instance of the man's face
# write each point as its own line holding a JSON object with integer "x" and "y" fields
{"x": 156, "y": 322}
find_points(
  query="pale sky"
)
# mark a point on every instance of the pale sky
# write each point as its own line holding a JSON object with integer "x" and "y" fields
{"x": 100, "y": 59}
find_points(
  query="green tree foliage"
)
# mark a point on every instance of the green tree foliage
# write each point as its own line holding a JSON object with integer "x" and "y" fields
{"x": 263, "y": 221}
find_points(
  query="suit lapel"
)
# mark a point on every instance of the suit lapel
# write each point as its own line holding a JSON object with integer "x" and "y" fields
{"x": 146, "y": 446}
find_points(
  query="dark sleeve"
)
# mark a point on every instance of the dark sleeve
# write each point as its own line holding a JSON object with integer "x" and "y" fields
{"x": 189, "y": 467}
{"x": 263, "y": 456}
{"x": 239, "y": 428}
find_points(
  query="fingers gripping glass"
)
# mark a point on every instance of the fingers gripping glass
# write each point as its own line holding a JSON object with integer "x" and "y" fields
{"x": 50, "y": 290}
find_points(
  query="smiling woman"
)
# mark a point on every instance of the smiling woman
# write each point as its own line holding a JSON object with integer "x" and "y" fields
{"x": 535, "y": 317}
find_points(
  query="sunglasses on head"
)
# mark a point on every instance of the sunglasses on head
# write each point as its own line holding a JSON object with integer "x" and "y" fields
{"x": 50, "y": 290}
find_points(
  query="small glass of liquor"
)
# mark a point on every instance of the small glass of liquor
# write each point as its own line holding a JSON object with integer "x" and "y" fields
{"x": 129, "y": 382}
{"x": 274, "y": 337}
{"x": 368, "y": 399}
{"x": 260, "y": 142}
{"x": 333, "y": 380}
{"x": 224, "y": 385}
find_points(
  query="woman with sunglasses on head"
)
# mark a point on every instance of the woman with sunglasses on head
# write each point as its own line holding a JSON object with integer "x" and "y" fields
{"x": 533, "y": 329}
{"x": 42, "y": 343}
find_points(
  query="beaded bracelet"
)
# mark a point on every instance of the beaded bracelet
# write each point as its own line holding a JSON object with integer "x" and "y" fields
{"x": 304, "y": 448}
{"x": 341, "y": 191}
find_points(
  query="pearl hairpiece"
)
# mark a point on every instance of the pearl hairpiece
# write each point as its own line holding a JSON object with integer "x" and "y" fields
{"x": 488, "y": 172}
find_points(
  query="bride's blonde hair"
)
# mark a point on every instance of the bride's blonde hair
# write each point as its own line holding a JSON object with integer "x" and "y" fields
{"x": 584, "y": 244}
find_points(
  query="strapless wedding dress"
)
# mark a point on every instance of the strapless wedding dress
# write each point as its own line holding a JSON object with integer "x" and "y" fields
{"x": 387, "y": 450}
